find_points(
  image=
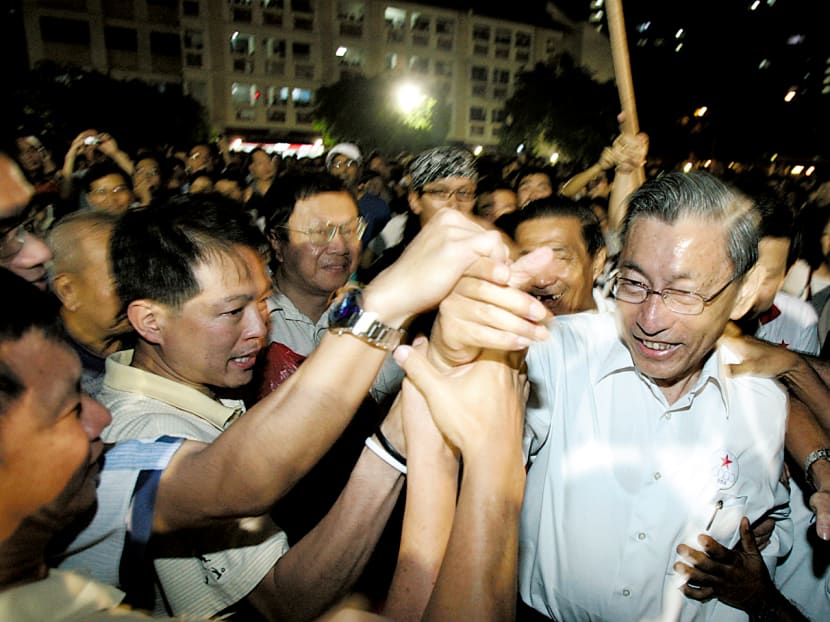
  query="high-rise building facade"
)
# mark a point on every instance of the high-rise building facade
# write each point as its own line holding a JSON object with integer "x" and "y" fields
{"x": 256, "y": 64}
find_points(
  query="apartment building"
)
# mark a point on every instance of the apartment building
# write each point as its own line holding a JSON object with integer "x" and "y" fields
{"x": 256, "y": 64}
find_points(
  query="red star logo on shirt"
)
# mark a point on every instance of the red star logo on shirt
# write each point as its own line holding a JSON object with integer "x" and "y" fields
{"x": 725, "y": 461}
{"x": 785, "y": 344}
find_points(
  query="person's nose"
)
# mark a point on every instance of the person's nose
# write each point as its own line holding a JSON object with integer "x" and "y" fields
{"x": 94, "y": 417}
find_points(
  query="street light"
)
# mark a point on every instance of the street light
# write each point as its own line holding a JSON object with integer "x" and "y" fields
{"x": 410, "y": 97}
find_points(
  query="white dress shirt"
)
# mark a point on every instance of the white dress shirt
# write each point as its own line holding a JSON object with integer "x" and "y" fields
{"x": 619, "y": 477}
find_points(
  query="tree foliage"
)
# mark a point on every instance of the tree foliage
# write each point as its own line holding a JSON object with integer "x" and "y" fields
{"x": 365, "y": 110}
{"x": 59, "y": 101}
{"x": 558, "y": 103}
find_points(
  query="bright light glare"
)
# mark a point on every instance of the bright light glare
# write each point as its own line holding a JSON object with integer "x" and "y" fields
{"x": 701, "y": 112}
{"x": 520, "y": 148}
{"x": 810, "y": 171}
{"x": 707, "y": 164}
{"x": 410, "y": 97}
{"x": 687, "y": 167}
{"x": 789, "y": 96}
{"x": 554, "y": 157}
{"x": 796, "y": 170}
{"x": 341, "y": 51}
{"x": 754, "y": 5}
{"x": 774, "y": 157}
{"x": 477, "y": 151}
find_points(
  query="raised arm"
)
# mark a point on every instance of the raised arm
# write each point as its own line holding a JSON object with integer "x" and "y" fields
{"x": 265, "y": 452}
{"x": 479, "y": 410}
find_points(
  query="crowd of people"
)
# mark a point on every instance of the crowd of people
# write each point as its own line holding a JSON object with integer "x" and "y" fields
{"x": 429, "y": 386}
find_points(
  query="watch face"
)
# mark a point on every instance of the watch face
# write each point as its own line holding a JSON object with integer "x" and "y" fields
{"x": 343, "y": 312}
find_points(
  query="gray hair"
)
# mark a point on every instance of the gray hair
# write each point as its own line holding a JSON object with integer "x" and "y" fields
{"x": 439, "y": 163}
{"x": 700, "y": 195}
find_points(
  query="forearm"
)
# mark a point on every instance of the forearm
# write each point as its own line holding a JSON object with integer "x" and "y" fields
{"x": 323, "y": 566}
{"x": 431, "y": 491}
{"x": 774, "y": 607}
{"x": 804, "y": 436}
{"x": 124, "y": 162}
{"x": 576, "y": 184}
{"x": 804, "y": 380}
{"x": 478, "y": 582}
{"x": 263, "y": 454}
{"x": 625, "y": 183}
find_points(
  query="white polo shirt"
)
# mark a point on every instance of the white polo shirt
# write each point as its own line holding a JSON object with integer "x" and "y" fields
{"x": 619, "y": 477}
{"x": 201, "y": 571}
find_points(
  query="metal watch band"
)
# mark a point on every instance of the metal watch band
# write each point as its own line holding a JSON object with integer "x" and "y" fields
{"x": 370, "y": 330}
{"x": 818, "y": 454}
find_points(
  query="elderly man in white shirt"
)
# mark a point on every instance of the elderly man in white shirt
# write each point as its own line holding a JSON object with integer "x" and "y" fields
{"x": 639, "y": 441}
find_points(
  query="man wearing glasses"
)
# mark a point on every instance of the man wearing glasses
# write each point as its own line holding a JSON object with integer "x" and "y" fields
{"x": 638, "y": 440}
{"x": 21, "y": 251}
{"x": 314, "y": 228}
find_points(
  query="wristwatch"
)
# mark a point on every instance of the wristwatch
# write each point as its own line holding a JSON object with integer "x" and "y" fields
{"x": 348, "y": 316}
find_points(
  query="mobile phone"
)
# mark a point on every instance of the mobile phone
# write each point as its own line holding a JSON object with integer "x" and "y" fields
{"x": 91, "y": 140}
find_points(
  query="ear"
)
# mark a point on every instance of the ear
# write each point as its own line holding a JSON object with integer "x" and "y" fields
{"x": 415, "y": 203}
{"x": 599, "y": 263}
{"x": 65, "y": 291}
{"x": 749, "y": 291}
{"x": 147, "y": 318}
{"x": 276, "y": 246}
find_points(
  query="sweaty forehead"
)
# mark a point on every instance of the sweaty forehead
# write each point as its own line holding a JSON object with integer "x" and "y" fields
{"x": 550, "y": 230}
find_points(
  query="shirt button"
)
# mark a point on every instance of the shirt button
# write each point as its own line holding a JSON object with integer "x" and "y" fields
{"x": 626, "y": 592}
{"x": 641, "y": 536}
{"x": 668, "y": 416}
{"x": 657, "y": 475}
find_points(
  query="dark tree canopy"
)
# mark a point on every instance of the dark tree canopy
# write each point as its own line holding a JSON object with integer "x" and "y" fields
{"x": 59, "y": 101}
{"x": 365, "y": 110}
{"x": 558, "y": 102}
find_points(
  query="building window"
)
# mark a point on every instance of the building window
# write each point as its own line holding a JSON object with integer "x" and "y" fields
{"x": 301, "y": 97}
{"x": 302, "y": 6}
{"x": 242, "y": 44}
{"x": 522, "y": 56}
{"x": 420, "y": 22}
{"x": 165, "y": 44}
{"x": 278, "y": 96}
{"x": 443, "y": 68}
{"x": 273, "y": 4}
{"x": 240, "y": 10}
{"x": 193, "y": 59}
{"x": 394, "y": 18}
{"x": 58, "y": 30}
{"x": 244, "y": 94}
{"x": 503, "y": 36}
{"x": 444, "y": 26}
{"x": 481, "y": 33}
{"x": 479, "y": 90}
{"x": 162, "y": 11}
{"x": 476, "y": 130}
{"x": 276, "y": 115}
{"x": 117, "y": 38}
{"x": 500, "y": 92}
{"x": 497, "y": 116}
{"x": 444, "y": 44}
{"x": 301, "y": 51}
{"x": 481, "y": 49}
{"x": 502, "y": 52}
{"x": 190, "y": 8}
{"x": 522, "y": 39}
{"x": 194, "y": 40}
{"x": 477, "y": 113}
{"x": 243, "y": 65}
{"x": 501, "y": 76}
{"x": 275, "y": 48}
{"x": 419, "y": 64}
{"x": 478, "y": 73}
{"x": 303, "y": 23}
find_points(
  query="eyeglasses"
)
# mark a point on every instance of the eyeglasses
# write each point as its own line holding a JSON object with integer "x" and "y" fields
{"x": 343, "y": 164}
{"x": 350, "y": 231}
{"x": 13, "y": 238}
{"x": 146, "y": 171}
{"x": 102, "y": 192}
{"x": 464, "y": 195}
{"x": 677, "y": 300}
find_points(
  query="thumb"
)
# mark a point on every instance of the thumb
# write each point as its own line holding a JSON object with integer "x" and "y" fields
{"x": 525, "y": 269}
{"x": 418, "y": 370}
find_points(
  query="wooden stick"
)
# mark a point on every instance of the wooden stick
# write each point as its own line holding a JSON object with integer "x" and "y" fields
{"x": 622, "y": 65}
